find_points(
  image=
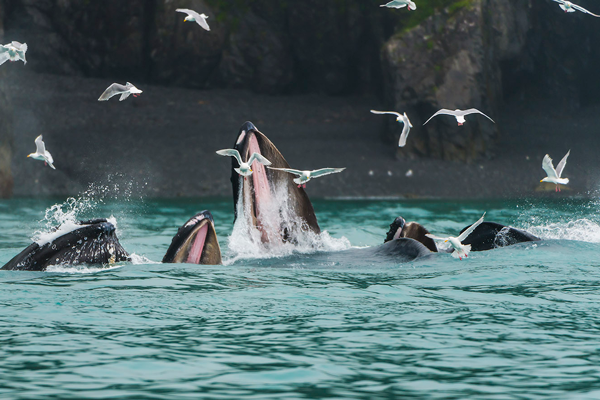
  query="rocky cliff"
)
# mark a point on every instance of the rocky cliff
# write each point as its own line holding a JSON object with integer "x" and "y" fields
{"x": 6, "y": 126}
{"x": 447, "y": 53}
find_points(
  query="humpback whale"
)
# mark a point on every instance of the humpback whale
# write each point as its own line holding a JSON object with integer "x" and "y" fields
{"x": 195, "y": 242}
{"x": 89, "y": 242}
{"x": 271, "y": 201}
{"x": 402, "y": 229}
{"x": 490, "y": 235}
{"x": 487, "y": 236}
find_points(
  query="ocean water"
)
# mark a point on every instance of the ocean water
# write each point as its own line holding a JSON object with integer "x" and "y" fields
{"x": 521, "y": 322}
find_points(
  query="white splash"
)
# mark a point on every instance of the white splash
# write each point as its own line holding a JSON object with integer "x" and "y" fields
{"x": 80, "y": 269}
{"x": 246, "y": 239}
{"x": 583, "y": 230}
{"x": 139, "y": 259}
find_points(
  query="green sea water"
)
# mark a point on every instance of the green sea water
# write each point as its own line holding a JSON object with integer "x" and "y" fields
{"x": 521, "y": 322}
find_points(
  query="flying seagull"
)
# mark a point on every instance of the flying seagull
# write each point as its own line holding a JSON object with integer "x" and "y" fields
{"x": 460, "y": 250}
{"x": 14, "y": 51}
{"x": 400, "y": 118}
{"x": 458, "y": 114}
{"x": 554, "y": 174}
{"x": 193, "y": 16}
{"x": 41, "y": 153}
{"x": 567, "y": 6}
{"x": 116, "y": 89}
{"x": 305, "y": 176}
{"x": 245, "y": 167}
{"x": 400, "y": 4}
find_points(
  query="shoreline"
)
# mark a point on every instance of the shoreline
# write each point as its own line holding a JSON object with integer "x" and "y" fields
{"x": 162, "y": 144}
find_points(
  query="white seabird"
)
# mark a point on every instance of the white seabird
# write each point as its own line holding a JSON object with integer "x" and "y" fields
{"x": 567, "y": 6}
{"x": 41, "y": 153}
{"x": 14, "y": 51}
{"x": 400, "y": 4}
{"x": 458, "y": 114}
{"x": 245, "y": 167}
{"x": 305, "y": 176}
{"x": 460, "y": 250}
{"x": 193, "y": 16}
{"x": 554, "y": 175}
{"x": 400, "y": 118}
{"x": 116, "y": 89}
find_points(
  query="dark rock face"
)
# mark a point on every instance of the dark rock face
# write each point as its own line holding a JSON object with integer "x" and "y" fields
{"x": 6, "y": 126}
{"x": 267, "y": 46}
{"x": 451, "y": 60}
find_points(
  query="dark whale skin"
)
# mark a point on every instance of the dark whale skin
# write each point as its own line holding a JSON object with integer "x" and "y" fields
{"x": 94, "y": 243}
{"x": 490, "y": 235}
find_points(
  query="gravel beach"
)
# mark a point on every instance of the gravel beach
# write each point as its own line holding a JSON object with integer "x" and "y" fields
{"x": 98, "y": 142}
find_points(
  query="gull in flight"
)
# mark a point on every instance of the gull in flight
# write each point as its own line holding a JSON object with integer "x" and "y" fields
{"x": 41, "y": 153}
{"x": 459, "y": 114}
{"x": 305, "y": 176}
{"x": 567, "y": 6}
{"x": 245, "y": 167}
{"x": 14, "y": 51}
{"x": 554, "y": 174}
{"x": 116, "y": 89}
{"x": 460, "y": 250}
{"x": 400, "y": 4}
{"x": 193, "y": 16}
{"x": 400, "y": 118}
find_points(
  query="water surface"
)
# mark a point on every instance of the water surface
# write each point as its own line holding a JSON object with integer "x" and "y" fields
{"x": 515, "y": 323}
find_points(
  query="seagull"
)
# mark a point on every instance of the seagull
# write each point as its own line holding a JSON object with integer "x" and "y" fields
{"x": 460, "y": 250}
{"x": 193, "y": 16}
{"x": 400, "y": 118}
{"x": 567, "y": 6}
{"x": 400, "y": 4}
{"x": 14, "y": 51}
{"x": 554, "y": 174}
{"x": 245, "y": 167}
{"x": 41, "y": 153}
{"x": 305, "y": 176}
{"x": 124, "y": 91}
{"x": 459, "y": 114}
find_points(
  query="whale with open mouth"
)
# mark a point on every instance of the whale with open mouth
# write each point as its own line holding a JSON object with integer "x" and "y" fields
{"x": 86, "y": 242}
{"x": 273, "y": 204}
{"x": 195, "y": 242}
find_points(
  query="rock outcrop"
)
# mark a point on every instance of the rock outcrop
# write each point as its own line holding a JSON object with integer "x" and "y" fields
{"x": 452, "y": 60}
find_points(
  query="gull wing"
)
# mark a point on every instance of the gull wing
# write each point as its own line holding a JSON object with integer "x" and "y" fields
{"x": 21, "y": 49}
{"x": 395, "y": 4}
{"x": 474, "y": 111}
{"x": 444, "y": 111}
{"x": 405, "y": 132}
{"x": 49, "y": 159}
{"x": 583, "y": 10}
{"x": 387, "y": 112}
{"x": 260, "y": 158}
{"x": 124, "y": 95}
{"x": 325, "y": 171}
{"x": 288, "y": 170}
{"x": 470, "y": 229}
{"x": 40, "y": 148}
{"x": 3, "y": 55}
{"x": 231, "y": 153}
{"x": 430, "y": 236}
{"x": 187, "y": 11}
{"x": 112, "y": 90}
{"x": 561, "y": 164}
{"x": 548, "y": 167}
{"x": 201, "y": 20}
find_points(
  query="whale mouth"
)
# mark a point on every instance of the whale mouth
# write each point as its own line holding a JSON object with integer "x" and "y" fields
{"x": 195, "y": 242}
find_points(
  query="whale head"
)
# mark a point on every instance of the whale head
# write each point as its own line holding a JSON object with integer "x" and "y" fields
{"x": 195, "y": 242}
{"x": 258, "y": 191}
{"x": 87, "y": 242}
